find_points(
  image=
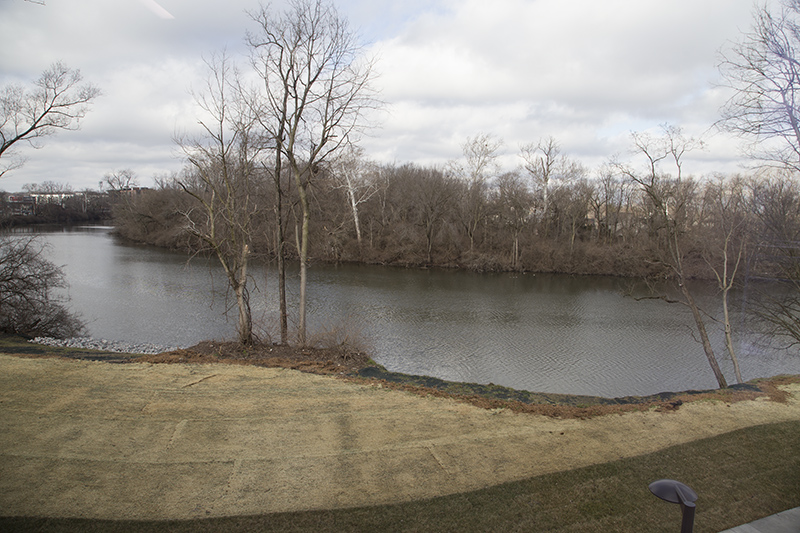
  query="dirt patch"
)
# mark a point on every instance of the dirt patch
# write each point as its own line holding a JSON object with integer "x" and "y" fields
{"x": 315, "y": 360}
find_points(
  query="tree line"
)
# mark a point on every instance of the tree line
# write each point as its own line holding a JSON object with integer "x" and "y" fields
{"x": 425, "y": 216}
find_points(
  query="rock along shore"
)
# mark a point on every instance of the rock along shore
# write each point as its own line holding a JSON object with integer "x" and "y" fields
{"x": 105, "y": 345}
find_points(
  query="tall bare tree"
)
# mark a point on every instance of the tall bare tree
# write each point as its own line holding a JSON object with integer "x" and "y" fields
{"x": 669, "y": 197}
{"x": 223, "y": 163}
{"x": 431, "y": 194}
{"x": 726, "y": 247}
{"x": 514, "y": 208}
{"x": 349, "y": 171}
{"x": 316, "y": 92}
{"x": 763, "y": 69}
{"x": 776, "y": 209}
{"x": 611, "y": 194}
{"x": 58, "y": 101}
{"x": 541, "y": 161}
{"x": 480, "y": 163}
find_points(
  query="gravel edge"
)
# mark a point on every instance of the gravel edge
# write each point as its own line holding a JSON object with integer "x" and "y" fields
{"x": 89, "y": 343}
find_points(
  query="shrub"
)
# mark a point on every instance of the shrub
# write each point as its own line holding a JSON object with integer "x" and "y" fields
{"x": 28, "y": 305}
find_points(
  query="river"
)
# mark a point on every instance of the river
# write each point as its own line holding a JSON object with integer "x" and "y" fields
{"x": 546, "y": 333}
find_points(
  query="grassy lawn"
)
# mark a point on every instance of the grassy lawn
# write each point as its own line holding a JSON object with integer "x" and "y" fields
{"x": 739, "y": 477}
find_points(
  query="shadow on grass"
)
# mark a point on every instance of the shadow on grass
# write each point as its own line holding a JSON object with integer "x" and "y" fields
{"x": 739, "y": 477}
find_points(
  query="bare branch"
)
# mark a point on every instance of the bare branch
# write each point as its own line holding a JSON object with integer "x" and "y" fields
{"x": 763, "y": 68}
{"x": 58, "y": 102}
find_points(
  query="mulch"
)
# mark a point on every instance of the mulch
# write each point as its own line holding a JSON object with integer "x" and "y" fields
{"x": 315, "y": 360}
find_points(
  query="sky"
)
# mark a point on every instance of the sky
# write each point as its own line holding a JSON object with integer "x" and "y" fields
{"x": 586, "y": 72}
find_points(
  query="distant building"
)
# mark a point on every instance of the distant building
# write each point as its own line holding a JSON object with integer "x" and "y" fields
{"x": 19, "y": 205}
{"x": 91, "y": 203}
{"x": 128, "y": 192}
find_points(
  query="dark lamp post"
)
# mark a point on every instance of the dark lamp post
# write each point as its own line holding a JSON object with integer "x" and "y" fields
{"x": 676, "y": 492}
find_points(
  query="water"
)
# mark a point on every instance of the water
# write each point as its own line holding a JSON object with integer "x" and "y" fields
{"x": 548, "y": 333}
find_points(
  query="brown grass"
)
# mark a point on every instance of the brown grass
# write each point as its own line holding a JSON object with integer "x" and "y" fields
{"x": 344, "y": 362}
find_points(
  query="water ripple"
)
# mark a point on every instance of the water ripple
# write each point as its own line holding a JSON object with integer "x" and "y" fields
{"x": 544, "y": 333}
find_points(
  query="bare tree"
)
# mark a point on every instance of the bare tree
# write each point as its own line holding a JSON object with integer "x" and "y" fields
{"x": 28, "y": 303}
{"x": 58, "y": 101}
{"x": 515, "y": 205}
{"x": 48, "y": 187}
{"x": 121, "y": 179}
{"x": 349, "y": 170}
{"x": 280, "y": 246}
{"x": 669, "y": 198}
{"x": 776, "y": 209}
{"x": 431, "y": 194}
{"x": 576, "y": 207}
{"x": 610, "y": 195}
{"x": 223, "y": 162}
{"x": 726, "y": 249}
{"x": 763, "y": 69}
{"x": 480, "y": 155}
{"x": 316, "y": 92}
{"x": 541, "y": 161}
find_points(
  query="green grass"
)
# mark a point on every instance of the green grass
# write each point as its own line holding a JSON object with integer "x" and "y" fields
{"x": 739, "y": 477}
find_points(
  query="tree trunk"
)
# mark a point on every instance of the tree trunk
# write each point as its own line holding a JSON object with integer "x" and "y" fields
{"x": 302, "y": 192}
{"x": 282, "y": 292}
{"x": 701, "y": 329}
{"x": 573, "y": 232}
{"x": 515, "y": 252}
{"x": 545, "y": 210}
{"x": 354, "y": 206}
{"x": 729, "y": 336}
{"x": 280, "y": 257}
{"x": 245, "y": 328}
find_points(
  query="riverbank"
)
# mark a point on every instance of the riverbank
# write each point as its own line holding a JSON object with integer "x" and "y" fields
{"x": 88, "y": 343}
{"x": 143, "y": 441}
{"x": 539, "y": 333}
{"x": 356, "y": 366}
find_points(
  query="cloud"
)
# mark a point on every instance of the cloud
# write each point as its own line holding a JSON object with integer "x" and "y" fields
{"x": 584, "y": 71}
{"x": 577, "y": 69}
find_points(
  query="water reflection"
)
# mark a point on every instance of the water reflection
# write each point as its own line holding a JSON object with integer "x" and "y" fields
{"x": 537, "y": 332}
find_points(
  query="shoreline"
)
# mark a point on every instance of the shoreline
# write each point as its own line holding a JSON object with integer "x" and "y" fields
{"x": 90, "y": 343}
{"x": 359, "y": 369}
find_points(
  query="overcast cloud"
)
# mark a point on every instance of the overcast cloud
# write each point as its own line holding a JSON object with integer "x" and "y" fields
{"x": 587, "y": 72}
